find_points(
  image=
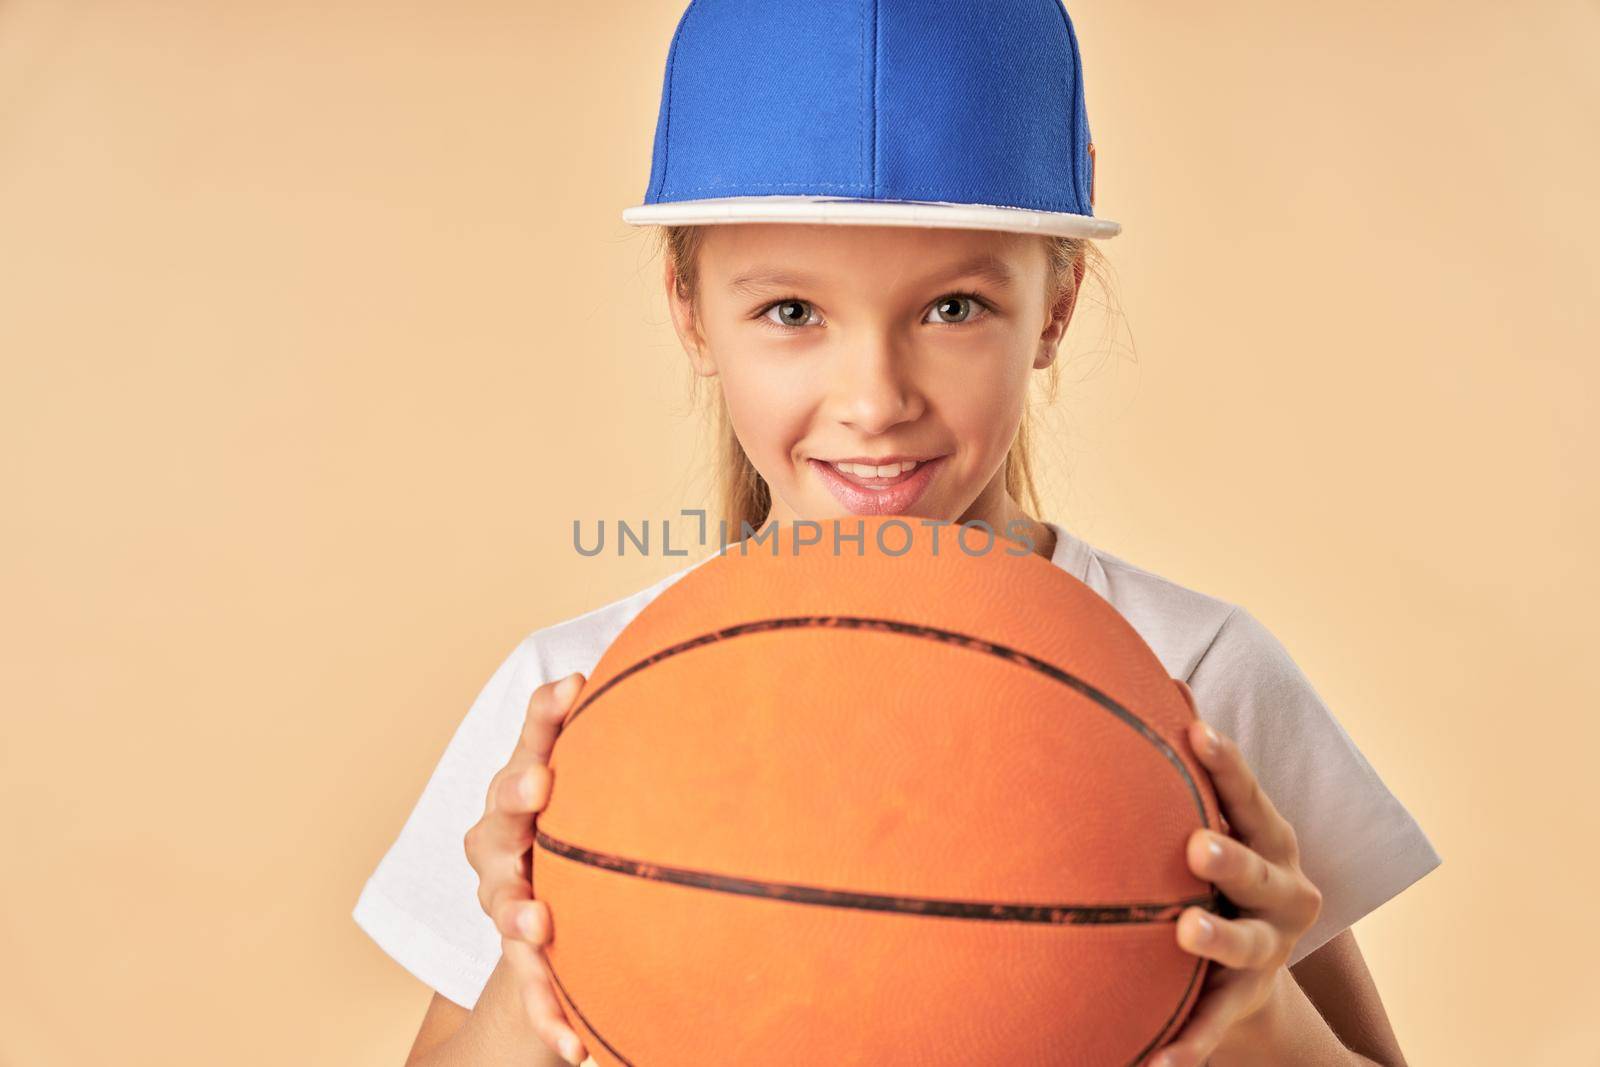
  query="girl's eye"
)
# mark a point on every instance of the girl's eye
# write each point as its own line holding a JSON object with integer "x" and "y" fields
{"x": 791, "y": 312}
{"x": 952, "y": 309}
{"x": 959, "y": 307}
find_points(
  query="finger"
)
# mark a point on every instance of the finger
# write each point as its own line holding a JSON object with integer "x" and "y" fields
{"x": 521, "y": 787}
{"x": 523, "y": 959}
{"x": 525, "y": 788}
{"x": 1236, "y": 943}
{"x": 1250, "y": 812}
{"x": 517, "y": 786}
{"x": 568, "y": 1043}
{"x": 1213, "y": 1014}
{"x": 539, "y": 1001}
{"x": 504, "y": 886}
{"x": 1247, "y": 878}
{"x": 501, "y": 881}
{"x": 525, "y": 919}
{"x": 495, "y": 842}
{"x": 547, "y": 707}
{"x": 1188, "y": 695}
{"x": 510, "y": 903}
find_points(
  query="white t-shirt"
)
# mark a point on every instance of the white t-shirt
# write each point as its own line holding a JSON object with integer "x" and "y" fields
{"x": 1358, "y": 844}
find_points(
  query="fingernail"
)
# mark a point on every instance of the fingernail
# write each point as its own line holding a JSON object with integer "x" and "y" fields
{"x": 569, "y": 1049}
{"x": 1213, "y": 742}
{"x": 1207, "y": 929}
{"x": 1213, "y": 847}
{"x": 525, "y": 921}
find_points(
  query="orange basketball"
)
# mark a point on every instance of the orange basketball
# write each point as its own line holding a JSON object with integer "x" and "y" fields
{"x": 836, "y": 803}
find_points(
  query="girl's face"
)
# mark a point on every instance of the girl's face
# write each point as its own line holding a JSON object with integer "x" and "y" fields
{"x": 876, "y": 345}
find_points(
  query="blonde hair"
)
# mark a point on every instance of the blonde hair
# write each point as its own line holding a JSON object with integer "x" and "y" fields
{"x": 743, "y": 495}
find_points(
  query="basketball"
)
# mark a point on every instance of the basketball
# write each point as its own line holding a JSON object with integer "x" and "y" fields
{"x": 868, "y": 793}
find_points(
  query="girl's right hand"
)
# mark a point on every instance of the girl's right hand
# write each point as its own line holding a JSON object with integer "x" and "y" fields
{"x": 499, "y": 847}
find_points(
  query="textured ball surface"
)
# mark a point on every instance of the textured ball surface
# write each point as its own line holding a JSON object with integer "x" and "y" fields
{"x": 872, "y": 807}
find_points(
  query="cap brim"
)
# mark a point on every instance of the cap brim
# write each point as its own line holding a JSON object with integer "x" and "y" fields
{"x": 844, "y": 211}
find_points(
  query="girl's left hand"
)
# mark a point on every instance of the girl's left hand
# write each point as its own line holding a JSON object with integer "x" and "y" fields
{"x": 1258, "y": 869}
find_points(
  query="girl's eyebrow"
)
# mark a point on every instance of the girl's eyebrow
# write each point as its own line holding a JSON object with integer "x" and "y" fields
{"x": 986, "y": 266}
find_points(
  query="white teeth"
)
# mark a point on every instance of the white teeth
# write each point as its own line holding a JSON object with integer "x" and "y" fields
{"x": 889, "y": 470}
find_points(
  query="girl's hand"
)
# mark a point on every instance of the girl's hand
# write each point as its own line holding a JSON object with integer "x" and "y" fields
{"x": 1257, "y": 867}
{"x": 499, "y": 847}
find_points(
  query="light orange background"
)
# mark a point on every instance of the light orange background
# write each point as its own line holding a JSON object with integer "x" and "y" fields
{"x": 318, "y": 327}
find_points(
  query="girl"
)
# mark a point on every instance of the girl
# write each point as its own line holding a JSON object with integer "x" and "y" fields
{"x": 875, "y": 225}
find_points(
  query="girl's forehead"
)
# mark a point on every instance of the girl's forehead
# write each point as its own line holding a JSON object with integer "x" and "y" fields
{"x": 738, "y": 246}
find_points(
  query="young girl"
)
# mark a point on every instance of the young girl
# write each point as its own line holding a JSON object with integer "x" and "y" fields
{"x": 876, "y": 223}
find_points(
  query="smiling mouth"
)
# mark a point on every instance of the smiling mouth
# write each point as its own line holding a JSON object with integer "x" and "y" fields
{"x": 890, "y": 493}
{"x": 879, "y": 476}
{"x": 872, "y": 473}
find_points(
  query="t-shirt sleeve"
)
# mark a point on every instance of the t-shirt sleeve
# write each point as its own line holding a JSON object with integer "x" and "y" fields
{"x": 421, "y": 902}
{"x": 1358, "y": 844}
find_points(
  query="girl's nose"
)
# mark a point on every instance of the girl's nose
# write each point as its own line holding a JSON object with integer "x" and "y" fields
{"x": 872, "y": 389}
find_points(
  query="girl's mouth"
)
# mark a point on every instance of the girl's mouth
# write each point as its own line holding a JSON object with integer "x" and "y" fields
{"x": 874, "y": 495}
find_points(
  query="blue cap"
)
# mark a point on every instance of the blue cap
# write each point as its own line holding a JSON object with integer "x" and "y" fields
{"x": 874, "y": 112}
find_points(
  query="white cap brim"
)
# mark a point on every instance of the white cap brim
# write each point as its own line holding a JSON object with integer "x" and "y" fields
{"x": 858, "y": 212}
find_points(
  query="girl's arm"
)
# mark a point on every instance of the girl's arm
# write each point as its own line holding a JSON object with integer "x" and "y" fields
{"x": 1287, "y": 1028}
{"x": 516, "y": 1020}
{"x": 1336, "y": 981}
{"x": 495, "y": 1033}
{"x": 1252, "y": 1011}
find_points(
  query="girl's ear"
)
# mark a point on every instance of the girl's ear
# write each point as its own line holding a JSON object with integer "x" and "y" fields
{"x": 1055, "y": 328}
{"x": 686, "y": 324}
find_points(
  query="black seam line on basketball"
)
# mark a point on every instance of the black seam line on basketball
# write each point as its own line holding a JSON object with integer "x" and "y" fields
{"x": 908, "y": 629}
{"x": 988, "y": 911}
{"x": 567, "y": 996}
{"x": 1194, "y": 976}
